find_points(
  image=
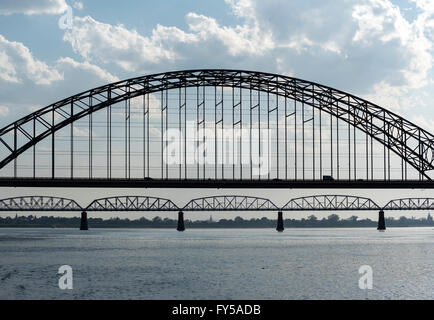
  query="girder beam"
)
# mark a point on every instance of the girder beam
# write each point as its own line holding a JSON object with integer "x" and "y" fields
{"x": 213, "y": 183}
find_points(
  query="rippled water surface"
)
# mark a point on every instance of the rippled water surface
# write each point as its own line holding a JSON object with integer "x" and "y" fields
{"x": 217, "y": 264}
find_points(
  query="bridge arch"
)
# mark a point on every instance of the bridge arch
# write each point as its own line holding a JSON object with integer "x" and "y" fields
{"x": 410, "y": 204}
{"x": 132, "y": 203}
{"x": 410, "y": 142}
{"x": 39, "y": 203}
{"x": 230, "y": 203}
{"x": 330, "y": 202}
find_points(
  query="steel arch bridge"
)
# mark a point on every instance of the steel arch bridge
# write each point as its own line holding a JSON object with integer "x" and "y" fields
{"x": 330, "y": 203}
{"x": 234, "y": 128}
{"x": 39, "y": 203}
{"x": 410, "y": 204}
{"x": 214, "y": 203}
{"x": 230, "y": 203}
{"x": 132, "y": 203}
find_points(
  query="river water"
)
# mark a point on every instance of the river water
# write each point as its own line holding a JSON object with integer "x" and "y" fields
{"x": 217, "y": 263}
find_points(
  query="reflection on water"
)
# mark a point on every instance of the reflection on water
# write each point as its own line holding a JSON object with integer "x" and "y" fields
{"x": 217, "y": 264}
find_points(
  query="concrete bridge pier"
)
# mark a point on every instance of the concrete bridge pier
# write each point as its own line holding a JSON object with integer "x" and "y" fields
{"x": 280, "y": 226}
{"x": 83, "y": 222}
{"x": 381, "y": 221}
{"x": 181, "y": 226}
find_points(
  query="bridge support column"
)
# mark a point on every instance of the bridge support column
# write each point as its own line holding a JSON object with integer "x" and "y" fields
{"x": 83, "y": 222}
{"x": 280, "y": 226}
{"x": 181, "y": 226}
{"x": 381, "y": 221}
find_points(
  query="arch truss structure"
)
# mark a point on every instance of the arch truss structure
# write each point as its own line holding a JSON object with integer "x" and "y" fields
{"x": 230, "y": 203}
{"x": 39, "y": 203}
{"x": 213, "y": 203}
{"x": 215, "y": 128}
{"x": 410, "y": 204}
{"x": 330, "y": 202}
{"x": 132, "y": 203}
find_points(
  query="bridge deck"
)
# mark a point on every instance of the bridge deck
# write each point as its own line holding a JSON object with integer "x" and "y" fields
{"x": 193, "y": 183}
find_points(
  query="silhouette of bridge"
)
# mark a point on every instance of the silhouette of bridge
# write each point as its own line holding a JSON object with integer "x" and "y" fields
{"x": 213, "y": 204}
{"x": 215, "y": 128}
{"x": 39, "y": 203}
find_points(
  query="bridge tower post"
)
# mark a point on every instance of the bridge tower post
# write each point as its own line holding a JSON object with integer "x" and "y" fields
{"x": 181, "y": 226}
{"x": 280, "y": 226}
{"x": 381, "y": 221}
{"x": 83, "y": 222}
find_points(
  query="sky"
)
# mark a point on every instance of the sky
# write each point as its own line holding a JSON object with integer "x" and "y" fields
{"x": 381, "y": 50}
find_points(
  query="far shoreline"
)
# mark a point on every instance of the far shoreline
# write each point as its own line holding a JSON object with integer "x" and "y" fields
{"x": 332, "y": 221}
{"x": 203, "y": 228}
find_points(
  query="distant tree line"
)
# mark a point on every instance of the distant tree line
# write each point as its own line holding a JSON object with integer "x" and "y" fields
{"x": 332, "y": 221}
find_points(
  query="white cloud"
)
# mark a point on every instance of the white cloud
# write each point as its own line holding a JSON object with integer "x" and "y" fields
{"x": 168, "y": 45}
{"x": 303, "y": 44}
{"x": 371, "y": 50}
{"x": 17, "y": 62}
{"x": 168, "y": 35}
{"x": 371, "y": 24}
{"x": 7, "y": 69}
{"x": 381, "y": 21}
{"x": 426, "y": 5}
{"x": 68, "y": 64}
{"x": 27, "y": 82}
{"x": 367, "y": 47}
{"x": 82, "y": 132}
{"x": 396, "y": 98}
{"x": 78, "y": 5}
{"x": 4, "y": 111}
{"x": 30, "y": 7}
{"x": 105, "y": 43}
{"x": 241, "y": 39}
